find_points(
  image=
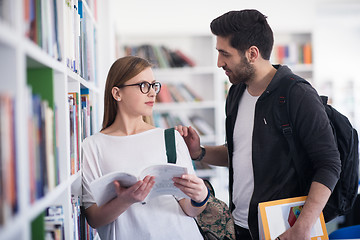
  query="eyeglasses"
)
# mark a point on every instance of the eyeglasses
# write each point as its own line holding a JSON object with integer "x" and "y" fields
{"x": 145, "y": 86}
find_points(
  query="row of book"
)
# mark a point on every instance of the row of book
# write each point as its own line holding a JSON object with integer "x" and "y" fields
{"x": 168, "y": 120}
{"x": 8, "y": 183}
{"x": 179, "y": 92}
{"x": 49, "y": 224}
{"x": 85, "y": 44}
{"x": 292, "y": 53}
{"x": 93, "y": 7}
{"x": 161, "y": 56}
{"x": 42, "y": 133}
{"x": 43, "y": 26}
{"x": 73, "y": 99}
{"x": 80, "y": 128}
{"x": 82, "y": 230}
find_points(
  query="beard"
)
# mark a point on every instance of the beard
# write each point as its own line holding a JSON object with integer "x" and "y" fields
{"x": 243, "y": 73}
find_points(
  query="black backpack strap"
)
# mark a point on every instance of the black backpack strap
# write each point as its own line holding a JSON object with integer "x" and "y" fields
{"x": 170, "y": 145}
{"x": 286, "y": 125}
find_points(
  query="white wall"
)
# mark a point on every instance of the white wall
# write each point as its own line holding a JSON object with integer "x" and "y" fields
{"x": 194, "y": 16}
{"x": 336, "y": 57}
{"x": 335, "y": 25}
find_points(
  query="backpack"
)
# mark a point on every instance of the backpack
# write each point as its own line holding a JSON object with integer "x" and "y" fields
{"x": 344, "y": 194}
{"x": 215, "y": 222}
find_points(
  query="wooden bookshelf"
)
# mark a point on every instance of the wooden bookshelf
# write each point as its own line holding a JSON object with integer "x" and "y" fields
{"x": 48, "y": 49}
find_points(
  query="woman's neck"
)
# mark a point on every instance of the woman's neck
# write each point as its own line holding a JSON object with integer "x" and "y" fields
{"x": 126, "y": 126}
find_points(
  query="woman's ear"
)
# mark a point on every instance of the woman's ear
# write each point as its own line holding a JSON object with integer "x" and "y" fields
{"x": 115, "y": 91}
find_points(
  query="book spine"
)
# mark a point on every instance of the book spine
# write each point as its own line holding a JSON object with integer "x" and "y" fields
{"x": 161, "y": 56}
{"x": 8, "y": 183}
{"x": 293, "y": 53}
{"x": 44, "y": 128}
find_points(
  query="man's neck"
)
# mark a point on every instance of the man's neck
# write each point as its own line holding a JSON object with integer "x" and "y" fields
{"x": 264, "y": 74}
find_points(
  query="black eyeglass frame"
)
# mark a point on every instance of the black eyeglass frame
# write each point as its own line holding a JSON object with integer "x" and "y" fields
{"x": 152, "y": 85}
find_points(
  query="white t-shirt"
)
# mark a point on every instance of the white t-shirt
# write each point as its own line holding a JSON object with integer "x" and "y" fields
{"x": 161, "y": 217}
{"x": 243, "y": 185}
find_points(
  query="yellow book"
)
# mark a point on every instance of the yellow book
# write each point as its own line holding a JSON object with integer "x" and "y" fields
{"x": 275, "y": 217}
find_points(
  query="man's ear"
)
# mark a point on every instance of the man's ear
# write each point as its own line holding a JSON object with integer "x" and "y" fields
{"x": 252, "y": 54}
{"x": 115, "y": 91}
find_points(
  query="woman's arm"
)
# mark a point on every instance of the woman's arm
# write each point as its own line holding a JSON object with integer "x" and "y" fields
{"x": 100, "y": 216}
{"x": 195, "y": 188}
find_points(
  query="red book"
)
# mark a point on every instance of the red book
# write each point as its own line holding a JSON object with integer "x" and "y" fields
{"x": 188, "y": 60}
{"x": 164, "y": 95}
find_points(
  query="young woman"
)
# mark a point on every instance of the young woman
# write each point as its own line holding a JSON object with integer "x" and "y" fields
{"x": 129, "y": 144}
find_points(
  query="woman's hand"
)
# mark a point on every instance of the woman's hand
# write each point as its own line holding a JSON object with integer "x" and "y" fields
{"x": 192, "y": 186}
{"x": 100, "y": 216}
{"x": 135, "y": 193}
{"x": 195, "y": 188}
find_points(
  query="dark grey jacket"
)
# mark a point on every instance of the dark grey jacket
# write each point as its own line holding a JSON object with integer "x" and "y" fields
{"x": 274, "y": 175}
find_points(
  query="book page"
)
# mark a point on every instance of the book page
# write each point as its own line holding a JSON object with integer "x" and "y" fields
{"x": 164, "y": 185}
{"x": 279, "y": 215}
{"x": 103, "y": 189}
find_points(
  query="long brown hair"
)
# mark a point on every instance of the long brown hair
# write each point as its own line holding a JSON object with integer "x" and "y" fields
{"x": 122, "y": 70}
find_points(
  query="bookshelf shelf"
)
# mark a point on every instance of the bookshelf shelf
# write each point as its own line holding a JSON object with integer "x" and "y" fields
{"x": 36, "y": 58}
{"x": 295, "y": 50}
{"x": 41, "y": 64}
{"x": 51, "y": 197}
{"x": 184, "y": 70}
{"x": 8, "y": 35}
{"x": 185, "y": 105}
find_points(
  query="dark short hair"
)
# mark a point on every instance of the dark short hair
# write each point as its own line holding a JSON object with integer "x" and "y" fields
{"x": 245, "y": 28}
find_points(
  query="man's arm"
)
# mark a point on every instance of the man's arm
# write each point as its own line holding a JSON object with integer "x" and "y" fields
{"x": 215, "y": 155}
{"x": 314, "y": 204}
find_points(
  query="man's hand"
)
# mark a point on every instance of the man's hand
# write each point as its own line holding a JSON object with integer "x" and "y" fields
{"x": 314, "y": 204}
{"x": 191, "y": 139}
{"x": 295, "y": 233}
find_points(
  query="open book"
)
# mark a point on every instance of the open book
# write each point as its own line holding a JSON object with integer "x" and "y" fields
{"x": 103, "y": 189}
{"x": 275, "y": 217}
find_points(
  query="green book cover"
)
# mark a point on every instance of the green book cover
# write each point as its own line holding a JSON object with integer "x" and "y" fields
{"x": 42, "y": 83}
{"x": 38, "y": 227}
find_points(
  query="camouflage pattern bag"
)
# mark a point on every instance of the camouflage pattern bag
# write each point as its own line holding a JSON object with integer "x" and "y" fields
{"x": 216, "y": 221}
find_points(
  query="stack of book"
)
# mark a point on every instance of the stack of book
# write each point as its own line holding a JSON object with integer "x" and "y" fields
{"x": 161, "y": 56}
{"x": 180, "y": 92}
{"x": 168, "y": 120}
{"x": 292, "y": 54}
